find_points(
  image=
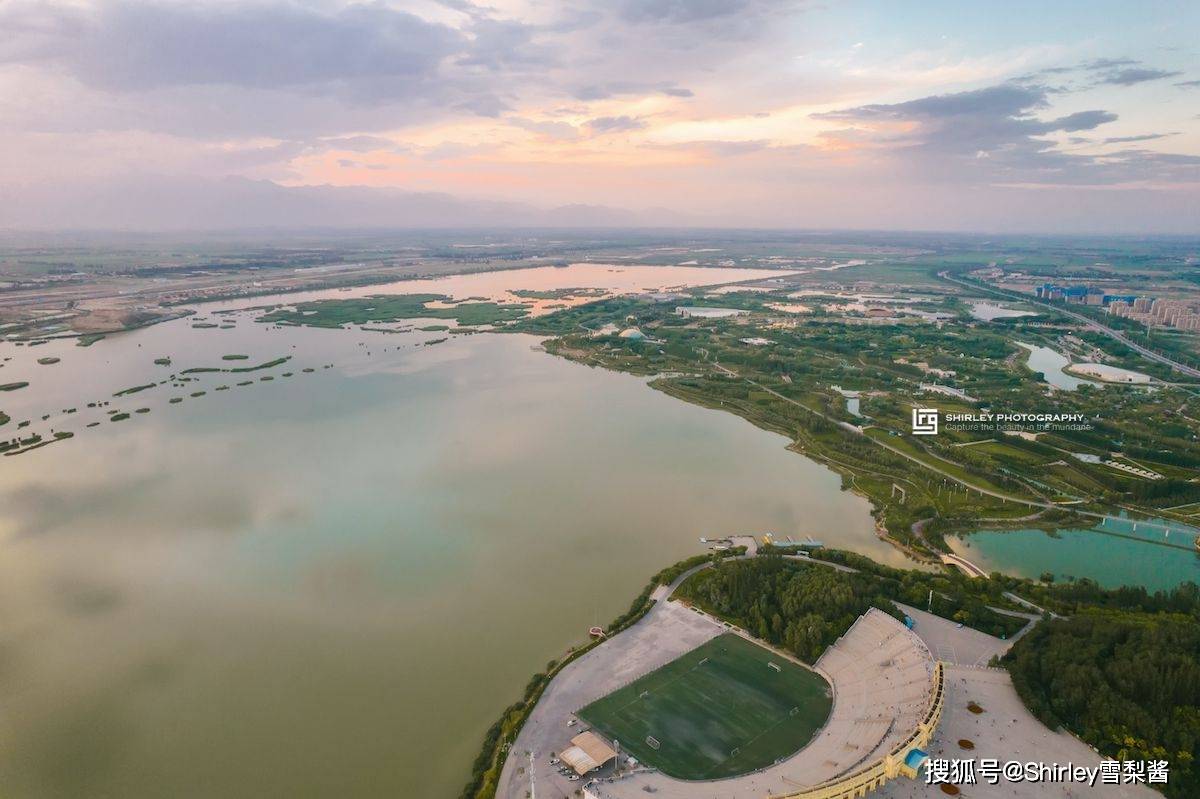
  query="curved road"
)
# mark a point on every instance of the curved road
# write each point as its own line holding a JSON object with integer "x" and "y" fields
{"x": 925, "y": 464}
{"x": 1091, "y": 323}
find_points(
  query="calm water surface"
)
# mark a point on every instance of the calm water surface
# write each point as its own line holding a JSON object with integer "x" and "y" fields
{"x": 1112, "y": 554}
{"x": 330, "y": 584}
{"x": 1050, "y": 363}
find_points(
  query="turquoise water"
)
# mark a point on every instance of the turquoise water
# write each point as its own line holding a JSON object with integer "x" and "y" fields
{"x": 1112, "y": 554}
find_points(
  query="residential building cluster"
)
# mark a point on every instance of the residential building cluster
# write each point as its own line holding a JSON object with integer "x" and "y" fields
{"x": 1181, "y": 314}
{"x": 1081, "y": 295}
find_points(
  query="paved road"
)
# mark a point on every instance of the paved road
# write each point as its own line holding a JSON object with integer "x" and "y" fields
{"x": 1005, "y": 731}
{"x": 967, "y": 566}
{"x": 859, "y": 431}
{"x": 989, "y": 492}
{"x": 1091, "y": 323}
{"x": 666, "y": 632}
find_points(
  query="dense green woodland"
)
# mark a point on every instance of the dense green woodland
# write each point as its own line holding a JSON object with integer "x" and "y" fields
{"x": 805, "y": 607}
{"x": 1127, "y": 683}
{"x": 1122, "y": 671}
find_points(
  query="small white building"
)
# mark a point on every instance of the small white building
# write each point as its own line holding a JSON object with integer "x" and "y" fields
{"x": 701, "y": 312}
{"x": 1109, "y": 374}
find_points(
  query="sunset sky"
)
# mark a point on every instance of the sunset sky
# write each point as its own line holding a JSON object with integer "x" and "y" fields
{"x": 1072, "y": 116}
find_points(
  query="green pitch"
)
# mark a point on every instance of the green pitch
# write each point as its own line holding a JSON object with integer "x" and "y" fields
{"x": 718, "y": 711}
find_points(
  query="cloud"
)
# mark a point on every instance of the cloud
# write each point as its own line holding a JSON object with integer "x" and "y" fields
{"x": 358, "y": 144}
{"x": 1100, "y": 72}
{"x": 592, "y": 92}
{"x": 550, "y": 129}
{"x": 1143, "y": 137}
{"x": 994, "y": 135}
{"x": 300, "y": 69}
{"x": 1082, "y": 120}
{"x": 1001, "y": 101}
{"x": 1108, "y": 63}
{"x": 721, "y": 149}
{"x": 1135, "y": 75}
{"x": 604, "y": 125}
{"x": 677, "y": 12}
{"x": 575, "y": 101}
{"x": 504, "y": 44}
{"x": 347, "y": 163}
{"x": 133, "y": 46}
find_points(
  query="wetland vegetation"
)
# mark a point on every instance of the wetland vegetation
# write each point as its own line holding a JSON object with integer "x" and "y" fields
{"x": 921, "y": 489}
{"x": 393, "y": 308}
{"x": 967, "y": 478}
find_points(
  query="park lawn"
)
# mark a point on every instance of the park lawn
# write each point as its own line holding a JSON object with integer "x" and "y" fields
{"x": 717, "y": 711}
{"x": 1005, "y": 451}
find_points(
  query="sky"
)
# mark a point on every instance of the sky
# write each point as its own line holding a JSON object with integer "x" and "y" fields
{"x": 989, "y": 116}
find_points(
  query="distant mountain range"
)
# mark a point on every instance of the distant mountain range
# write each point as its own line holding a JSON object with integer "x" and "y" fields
{"x": 231, "y": 203}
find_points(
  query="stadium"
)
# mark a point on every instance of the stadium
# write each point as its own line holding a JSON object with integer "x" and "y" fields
{"x": 687, "y": 707}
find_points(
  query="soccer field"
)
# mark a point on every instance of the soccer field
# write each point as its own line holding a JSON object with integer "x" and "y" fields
{"x": 725, "y": 708}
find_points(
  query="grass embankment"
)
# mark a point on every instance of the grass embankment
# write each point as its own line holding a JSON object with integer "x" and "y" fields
{"x": 485, "y": 773}
{"x": 392, "y": 308}
{"x": 133, "y": 390}
{"x": 941, "y": 478}
{"x": 237, "y": 369}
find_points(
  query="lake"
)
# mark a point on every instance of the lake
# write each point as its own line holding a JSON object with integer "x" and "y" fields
{"x": 1112, "y": 554}
{"x": 330, "y": 584}
{"x": 989, "y": 311}
{"x": 1050, "y": 363}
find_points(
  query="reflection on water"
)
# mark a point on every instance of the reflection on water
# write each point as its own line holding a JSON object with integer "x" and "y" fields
{"x": 499, "y": 286}
{"x": 331, "y": 584}
{"x": 990, "y": 311}
{"x": 1050, "y": 363}
{"x": 1113, "y": 554}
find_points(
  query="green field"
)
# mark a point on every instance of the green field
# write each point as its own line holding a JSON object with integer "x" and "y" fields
{"x": 718, "y": 711}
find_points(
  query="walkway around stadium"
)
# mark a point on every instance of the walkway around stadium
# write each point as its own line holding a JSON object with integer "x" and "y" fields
{"x": 880, "y": 674}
